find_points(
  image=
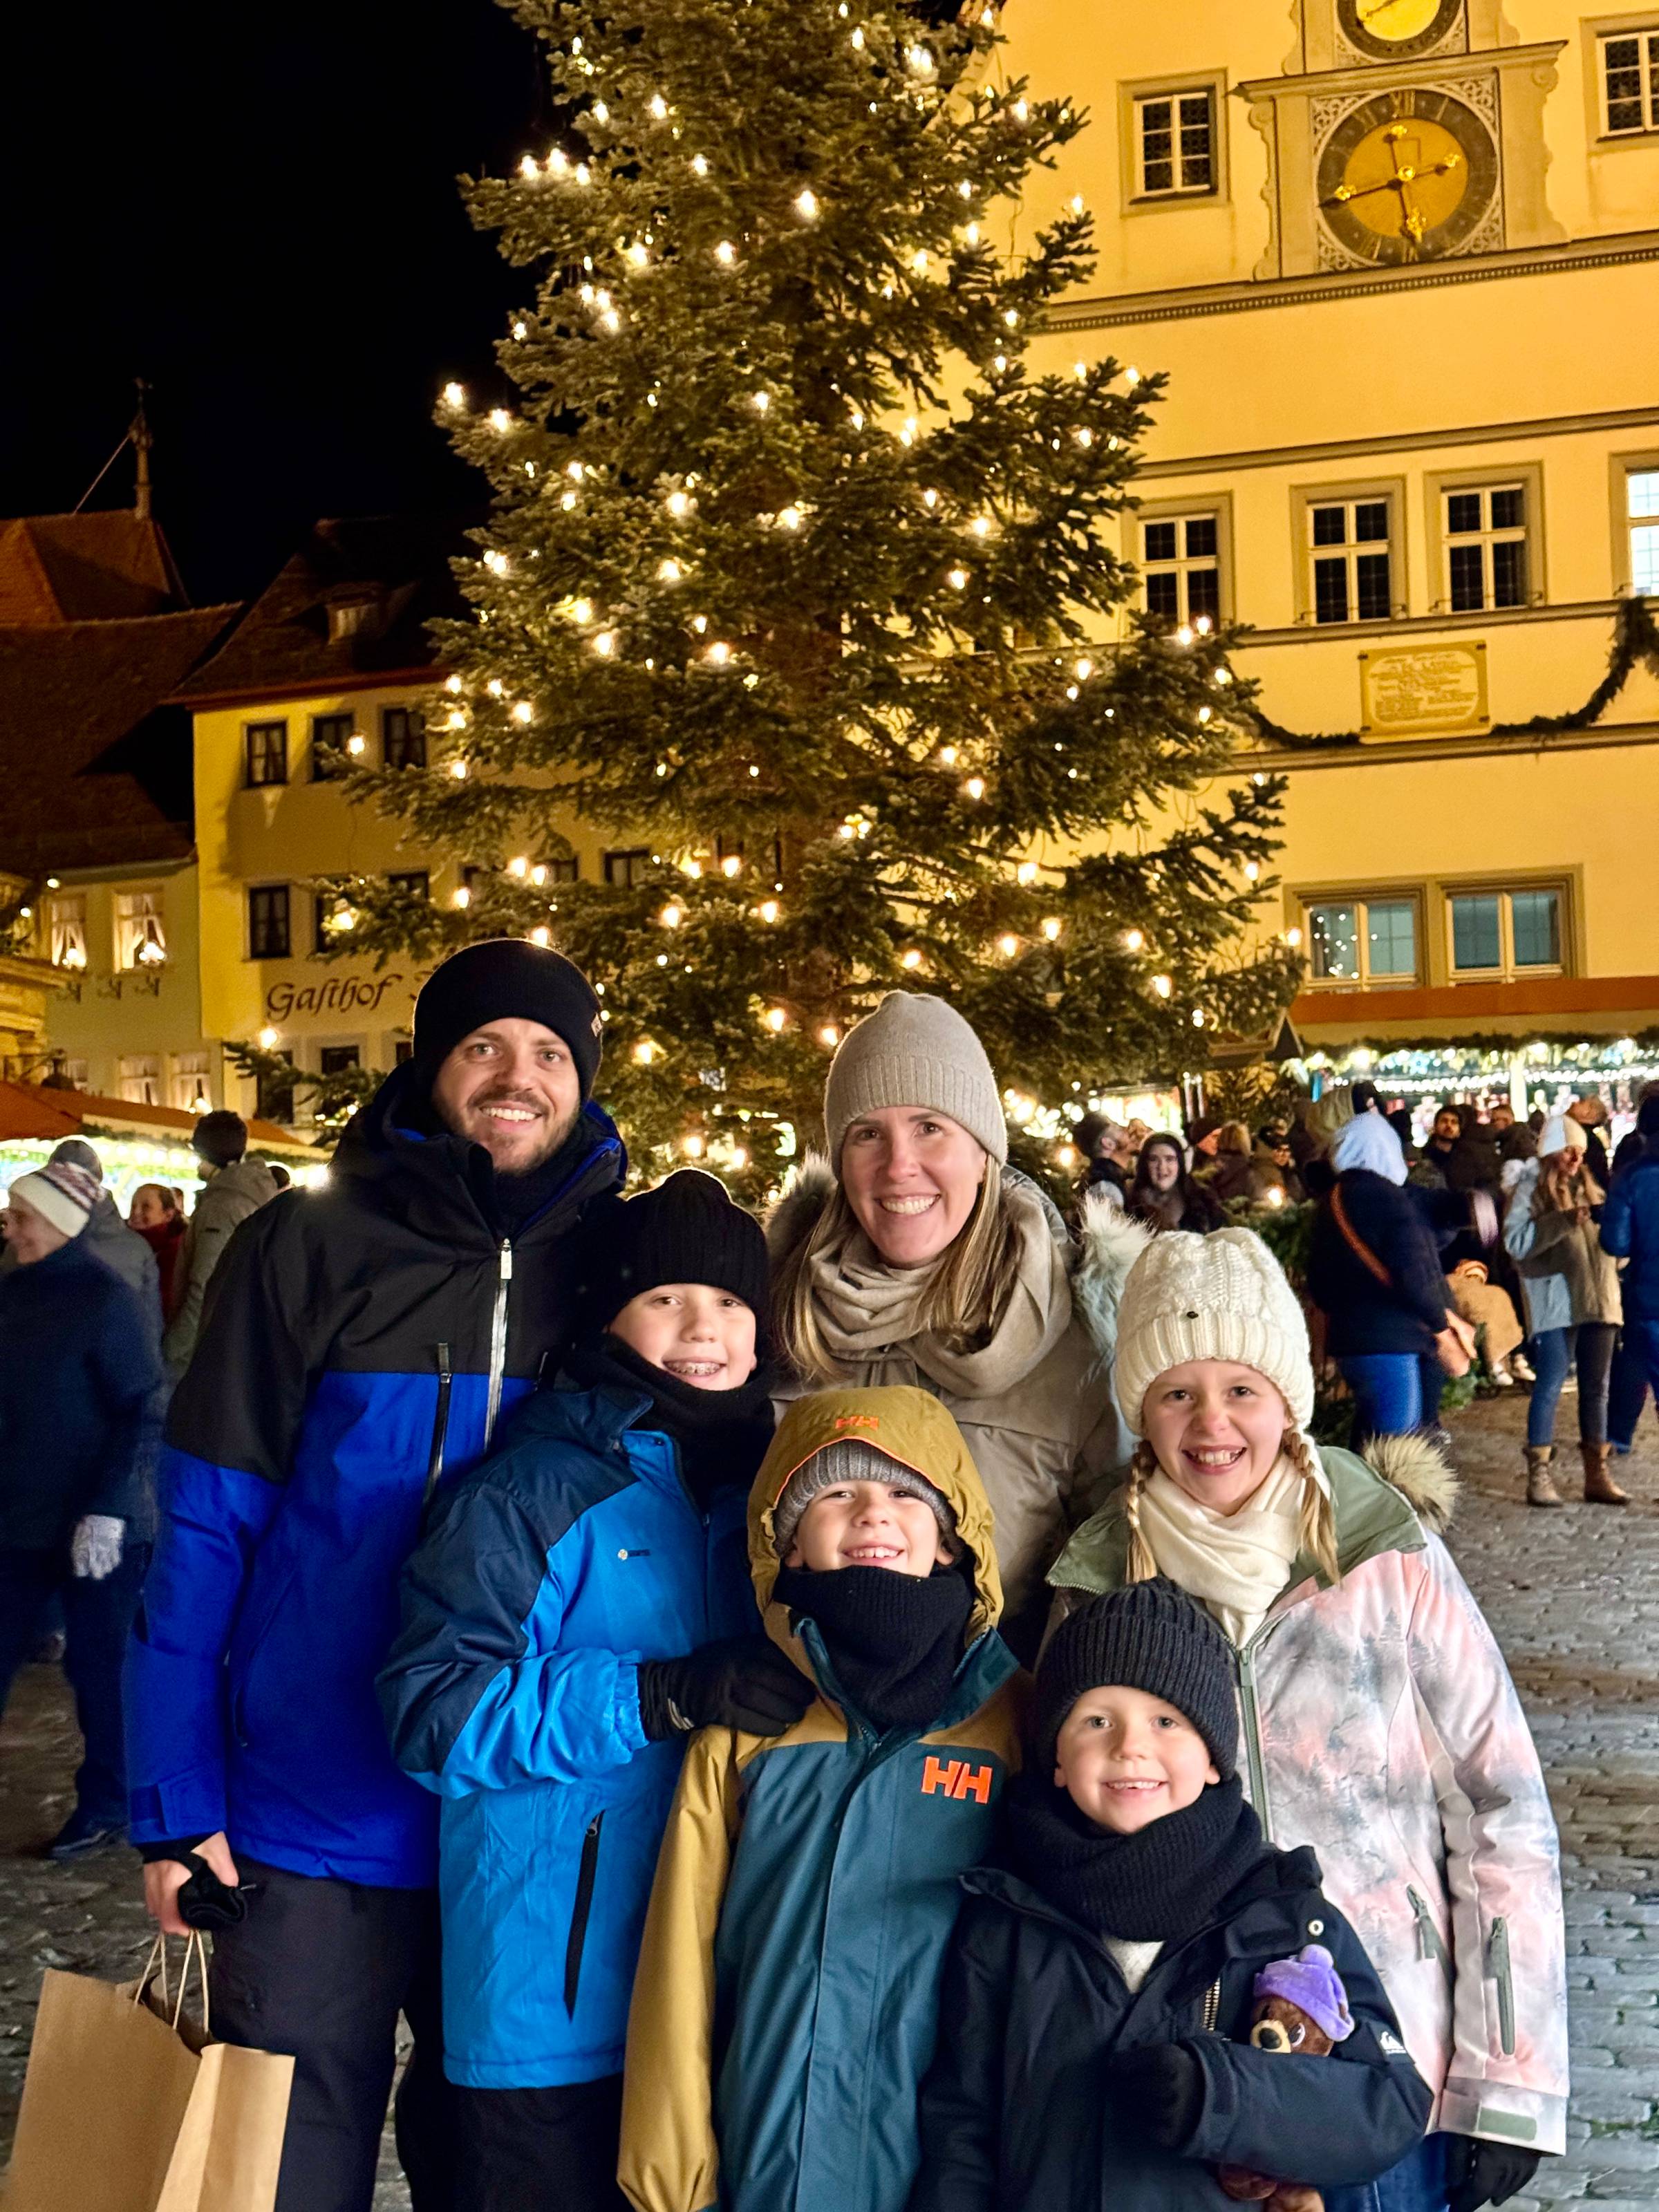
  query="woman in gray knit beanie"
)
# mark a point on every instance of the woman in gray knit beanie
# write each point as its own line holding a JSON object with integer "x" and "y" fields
{"x": 915, "y": 1255}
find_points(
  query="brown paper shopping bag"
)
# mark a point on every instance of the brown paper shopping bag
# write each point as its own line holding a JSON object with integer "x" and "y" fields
{"x": 129, "y": 2107}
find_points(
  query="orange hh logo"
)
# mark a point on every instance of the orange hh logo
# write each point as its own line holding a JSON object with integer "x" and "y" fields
{"x": 858, "y": 1420}
{"x": 957, "y": 1779}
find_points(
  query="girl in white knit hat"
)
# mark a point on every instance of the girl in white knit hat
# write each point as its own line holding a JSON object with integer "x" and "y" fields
{"x": 1379, "y": 1721}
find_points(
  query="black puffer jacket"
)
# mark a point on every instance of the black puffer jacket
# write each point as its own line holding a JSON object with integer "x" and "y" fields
{"x": 1362, "y": 1313}
{"x": 1017, "y": 2114}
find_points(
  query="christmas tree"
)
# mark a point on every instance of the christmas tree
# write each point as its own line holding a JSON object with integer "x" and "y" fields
{"x": 798, "y": 581}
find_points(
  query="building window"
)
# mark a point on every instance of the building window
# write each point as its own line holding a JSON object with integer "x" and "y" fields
{"x": 141, "y": 940}
{"x": 268, "y": 933}
{"x": 1352, "y": 560}
{"x": 189, "y": 1082}
{"x": 66, "y": 921}
{"x": 566, "y": 871}
{"x": 1501, "y": 934}
{"x": 336, "y": 1058}
{"x": 1629, "y": 83}
{"x": 625, "y": 870}
{"x": 1642, "y": 521}
{"x": 1180, "y": 561}
{"x": 1361, "y": 941}
{"x": 267, "y": 753}
{"x": 414, "y": 883}
{"x": 140, "y": 1078}
{"x": 273, "y": 1092}
{"x": 331, "y": 746}
{"x": 1485, "y": 535}
{"x": 1175, "y": 144}
{"x": 402, "y": 737}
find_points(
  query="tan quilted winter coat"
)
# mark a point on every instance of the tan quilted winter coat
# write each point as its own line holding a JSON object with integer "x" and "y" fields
{"x": 1050, "y": 1447}
{"x": 1382, "y": 1726}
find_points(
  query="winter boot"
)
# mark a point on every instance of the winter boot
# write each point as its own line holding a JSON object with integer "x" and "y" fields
{"x": 1600, "y": 1488}
{"x": 1540, "y": 1489}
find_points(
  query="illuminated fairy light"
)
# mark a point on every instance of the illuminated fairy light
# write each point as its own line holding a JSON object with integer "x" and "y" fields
{"x": 1133, "y": 940}
{"x": 730, "y": 867}
{"x": 974, "y": 787}
{"x": 1026, "y": 872}
{"x": 524, "y": 713}
{"x": 768, "y": 911}
{"x": 457, "y": 769}
{"x": 910, "y": 958}
{"x": 789, "y": 518}
{"x": 1163, "y": 986}
{"x": 1007, "y": 946}
{"x": 720, "y": 653}
{"x": 541, "y": 934}
{"x": 454, "y": 395}
{"x": 644, "y": 1052}
{"x": 604, "y": 643}
{"x": 726, "y": 253}
{"x": 678, "y": 505}
{"x": 538, "y": 873}
{"x": 775, "y": 1018}
{"x": 1051, "y": 928}
{"x": 659, "y": 107}
{"x": 270, "y": 1039}
{"x": 957, "y": 580}
{"x": 500, "y": 419}
{"x": 581, "y": 611}
{"x": 806, "y": 205}
{"x": 356, "y": 744}
{"x": 452, "y": 683}
{"x": 699, "y": 165}
{"x": 496, "y": 562}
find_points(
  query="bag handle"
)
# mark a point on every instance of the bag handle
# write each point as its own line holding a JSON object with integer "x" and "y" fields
{"x": 1357, "y": 1243}
{"x": 155, "y": 1968}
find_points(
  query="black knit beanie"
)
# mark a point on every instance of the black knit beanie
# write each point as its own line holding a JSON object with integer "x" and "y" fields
{"x": 1151, "y": 1636}
{"x": 688, "y": 1229}
{"x": 508, "y": 979}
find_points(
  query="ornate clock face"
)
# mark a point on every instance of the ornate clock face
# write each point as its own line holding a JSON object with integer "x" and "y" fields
{"x": 1407, "y": 176}
{"x": 1396, "y": 27}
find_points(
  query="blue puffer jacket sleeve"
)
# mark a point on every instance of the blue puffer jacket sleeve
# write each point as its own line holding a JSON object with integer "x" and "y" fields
{"x": 475, "y": 1694}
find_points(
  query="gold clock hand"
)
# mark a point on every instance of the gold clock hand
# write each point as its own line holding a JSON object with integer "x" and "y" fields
{"x": 1344, "y": 193}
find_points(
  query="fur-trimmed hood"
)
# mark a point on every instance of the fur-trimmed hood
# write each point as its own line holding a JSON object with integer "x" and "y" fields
{"x": 1422, "y": 1474}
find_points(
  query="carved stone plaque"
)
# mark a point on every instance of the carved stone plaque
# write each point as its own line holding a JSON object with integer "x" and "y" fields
{"x": 1410, "y": 691}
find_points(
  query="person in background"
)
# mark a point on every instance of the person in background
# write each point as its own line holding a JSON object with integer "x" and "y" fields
{"x": 1630, "y": 1231}
{"x": 280, "y": 1176}
{"x": 1590, "y": 1114}
{"x": 154, "y": 1217}
{"x": 1230, "y": 1176}
{"x": 1201, "y": 1135}
{"x": 1442, "y": 1142}
{"x": 1107, "y": 1151}
{"x": 1273, "y": 1167}
{"x": 235, "y": 1187}
{"x": 1164, "y": 1195}
{"x": 1570, "y": 1286}
{"x": 79, "y": 1373}
{"x": 1490, "y": 1312}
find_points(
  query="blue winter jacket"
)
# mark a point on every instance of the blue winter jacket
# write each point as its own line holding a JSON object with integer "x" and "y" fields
{"x": 513, "y": 1692}
{"x": 359, "y": 1345}
{"x": 1630, "y": 1230}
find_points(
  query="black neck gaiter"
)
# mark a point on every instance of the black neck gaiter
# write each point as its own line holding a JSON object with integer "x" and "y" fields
{"x": 894, "y": 1640}
{"x": 722, "y": 1435}
{"x": 1160, "y": 1885}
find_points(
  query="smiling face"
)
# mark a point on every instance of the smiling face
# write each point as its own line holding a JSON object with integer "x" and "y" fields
{"x": 1161, "y": 1164}
{"x": 151, "y": 1206}
{"x": 868, "y": 1524}
{"x": 29, "y": 1234}
{"x": 1218, "y": 1428}
{"x": 692, "y": 1331}
{"x": 1125, "y": 1759}
{"x": 912, "y": 1178}
{"x": 513, "y": 1087}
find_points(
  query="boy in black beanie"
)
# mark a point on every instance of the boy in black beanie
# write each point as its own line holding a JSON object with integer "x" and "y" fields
{"x": 1094, "y": 2046}
{"x": 578, "y": 1606}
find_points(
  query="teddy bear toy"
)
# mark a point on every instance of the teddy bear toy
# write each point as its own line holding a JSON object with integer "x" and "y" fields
{"x": 1301, "y": 2011}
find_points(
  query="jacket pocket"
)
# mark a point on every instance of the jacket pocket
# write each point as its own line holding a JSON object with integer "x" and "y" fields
{"x": 1498, "y": 1959}
{"x": 586, "y": 1873}
{"x": 1429, "y": 1944}
{"x": 434, "y": 1458}
{"x": 245, "y": 1660}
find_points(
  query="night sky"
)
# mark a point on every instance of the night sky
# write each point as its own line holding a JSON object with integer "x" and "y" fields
{"x": 256, "y": 209}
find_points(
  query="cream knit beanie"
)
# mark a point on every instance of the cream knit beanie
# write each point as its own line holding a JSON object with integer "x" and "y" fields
{"x": 1220, "y": 1296}
{"x": 913, "y": 1051}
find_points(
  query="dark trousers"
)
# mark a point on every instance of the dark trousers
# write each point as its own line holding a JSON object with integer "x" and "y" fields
{"x": 1589, "y": 1345}
{"x": 1635, "y": 1365}
{"x": 322, "y": 1969}
{"x": 540, "y": 2150}
{"x": 96, "y": 1618}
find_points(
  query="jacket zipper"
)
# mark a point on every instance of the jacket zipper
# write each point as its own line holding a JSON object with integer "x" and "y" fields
{"x": 435, "y": 1462}
{"x": 1429, "y": 1945}
{"x": 1251, "y": 1708}
{"x": 498, "y": 1342}
{"x": 578, "y": 1912}
{"x": 1498, "y": 1951}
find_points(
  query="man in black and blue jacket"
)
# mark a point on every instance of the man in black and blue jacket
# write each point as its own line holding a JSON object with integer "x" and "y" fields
{"x": 360, "y": 1346}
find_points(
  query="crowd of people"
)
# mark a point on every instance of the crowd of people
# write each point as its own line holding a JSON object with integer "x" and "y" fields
{"x": 893, "y": 1707}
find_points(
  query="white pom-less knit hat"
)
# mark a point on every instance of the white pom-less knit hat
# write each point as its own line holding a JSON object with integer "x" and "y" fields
{"x": 1220, "y": 1296}
{"x": 913, "y": 1051}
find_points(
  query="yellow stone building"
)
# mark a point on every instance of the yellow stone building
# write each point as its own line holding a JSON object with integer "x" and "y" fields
{"x": 1400, "y": 260}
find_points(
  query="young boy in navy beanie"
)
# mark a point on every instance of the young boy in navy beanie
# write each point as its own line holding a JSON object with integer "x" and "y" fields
{"x": 578, "y": 1606}
{"x": 1094, "y": 2046}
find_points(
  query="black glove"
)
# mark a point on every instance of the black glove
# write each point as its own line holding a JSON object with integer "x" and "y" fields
{"x": 204, "y": 1901}
{"x": 744, "y": 1683}
{"x": 1159, "y": 2090}
{"x": 1484, "y": 2172}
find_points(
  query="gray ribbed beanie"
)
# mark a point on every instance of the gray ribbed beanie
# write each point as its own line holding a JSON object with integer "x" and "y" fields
{"x": 913, "y": 1051}
{"x": 851, "y": 1460}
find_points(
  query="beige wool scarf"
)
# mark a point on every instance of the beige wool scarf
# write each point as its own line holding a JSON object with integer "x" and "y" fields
{"x": 1236, "y": 1564}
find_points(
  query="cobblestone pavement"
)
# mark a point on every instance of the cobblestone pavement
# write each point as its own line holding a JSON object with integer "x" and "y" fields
{"x": 1574, "y": 1599}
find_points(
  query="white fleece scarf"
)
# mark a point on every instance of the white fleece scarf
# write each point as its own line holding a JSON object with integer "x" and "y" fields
{"x": 1236, "y": 1564}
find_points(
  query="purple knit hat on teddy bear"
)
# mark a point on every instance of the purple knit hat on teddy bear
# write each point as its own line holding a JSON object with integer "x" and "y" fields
{"x": 1311, "y": 1982}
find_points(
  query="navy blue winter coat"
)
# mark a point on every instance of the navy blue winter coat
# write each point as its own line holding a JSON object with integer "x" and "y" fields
{"x": 1015, "y": 2114}
{"x": 513, "y": 1692}
{"x": 1630, "y": 1230}
{"x": 1362, "y": 1313}
{"x": 359, "y": 1345}
{"x": 78, "y": 1368}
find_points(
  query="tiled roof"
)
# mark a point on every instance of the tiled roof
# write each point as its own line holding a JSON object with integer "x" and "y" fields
{"x": 94, "y": 768}
{"x": 40, "y": 1110}
{"x": 394, "y": 568}
{"x": 103, "y": 566}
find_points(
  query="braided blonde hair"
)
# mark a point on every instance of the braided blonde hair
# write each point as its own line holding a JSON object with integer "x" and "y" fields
{"x": 1316, "y": 1532}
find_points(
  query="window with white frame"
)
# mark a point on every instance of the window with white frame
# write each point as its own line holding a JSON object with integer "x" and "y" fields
{"x": 1629, "y": 82}
{"x": 627, "y": 867}
{"x": 1358, "y": 941}
{"x": 140, "y": 1078}
{"x": 141, "y": 937}
{"x": 189, "y": 1083}
{"x": 1175, "y": 144}
{"x": 1504, "y": 934}
{"x": 1350, "y": 559}
{"x": 1642, "y": 520}
{"x": 66, "y": 921}
{"x": 1484, "y": 534}
{"x": 1181, "y": 563}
